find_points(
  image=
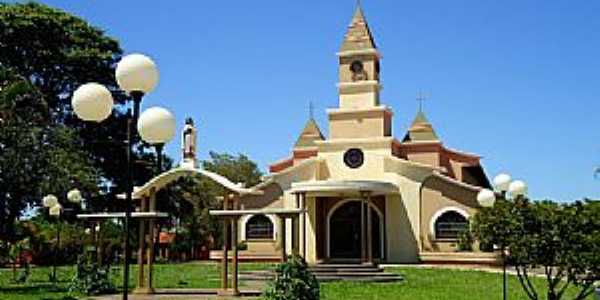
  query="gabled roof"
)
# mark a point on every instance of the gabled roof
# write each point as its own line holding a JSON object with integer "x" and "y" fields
{"x": 358, "y": 36}
{"x": 309, "y": 135}
{"x": 420, "y": 130}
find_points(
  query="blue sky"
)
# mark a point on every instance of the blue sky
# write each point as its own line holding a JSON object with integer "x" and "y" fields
{"x": 517, "y": 82}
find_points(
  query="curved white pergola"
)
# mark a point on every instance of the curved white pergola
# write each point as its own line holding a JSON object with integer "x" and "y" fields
{"x": 167, "y": 177}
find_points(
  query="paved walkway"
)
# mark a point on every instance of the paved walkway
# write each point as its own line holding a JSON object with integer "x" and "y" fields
{"x": 169, "y": 296}
{"x": 469, "y": 267}
{"x": 196, "y": 294}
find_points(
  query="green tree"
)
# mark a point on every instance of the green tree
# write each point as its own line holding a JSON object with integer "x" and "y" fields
{"x": 60, "y": 53}
{"x": 495, "y": 226}
{"x": 55, "y": 51}
{"x": 236, "y": 168}
{"x": 562, "y": 240}
{"x": 36, "y": 156}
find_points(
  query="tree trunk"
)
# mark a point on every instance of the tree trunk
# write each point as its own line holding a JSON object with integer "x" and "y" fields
{"x": 522, "y": 276}
{"x": 586, "y": 290}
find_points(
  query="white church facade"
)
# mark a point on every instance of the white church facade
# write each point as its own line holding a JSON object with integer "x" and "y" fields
{"x": 365, "y": 195}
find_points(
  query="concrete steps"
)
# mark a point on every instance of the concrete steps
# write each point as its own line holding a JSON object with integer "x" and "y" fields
{"x": 461, "y": 258}
{"x": 330, "y": 272}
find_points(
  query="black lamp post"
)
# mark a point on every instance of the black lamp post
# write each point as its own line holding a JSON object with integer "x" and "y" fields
{"x": 55, "y": 212}
{"x": 137, "y": 75}
{"x": 487, "y": 198}
{"x": 55, "y": 209}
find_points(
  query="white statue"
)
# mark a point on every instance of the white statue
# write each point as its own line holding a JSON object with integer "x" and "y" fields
{"x": 188, "y": 143}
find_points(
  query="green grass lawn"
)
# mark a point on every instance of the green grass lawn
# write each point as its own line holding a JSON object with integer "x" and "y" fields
{"x": 433, "y": 284}
{"x": 419, "y": 283}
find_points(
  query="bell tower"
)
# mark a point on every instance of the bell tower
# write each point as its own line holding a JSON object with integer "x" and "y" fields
{"x": 360, "y": 114}
{"x": 358, "y": 65}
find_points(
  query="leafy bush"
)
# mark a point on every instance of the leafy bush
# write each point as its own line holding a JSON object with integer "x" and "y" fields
{"x": 15, "y": 253}
{"x": 293, "y": 281}
{"x": 242, "y": 246}
{"x": 465, "y": 240}
{"x": 91, "y": 278}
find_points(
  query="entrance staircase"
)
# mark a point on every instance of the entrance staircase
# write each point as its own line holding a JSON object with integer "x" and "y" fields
{"x": 334, "y": 272}
{"x": 461, "y": 258}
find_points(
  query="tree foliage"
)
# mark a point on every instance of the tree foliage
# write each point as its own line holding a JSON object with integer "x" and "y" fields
{"x": 45, "y": 148}
{"x": 36, "y": 156}
{"x": 562, "y": 240}
{"x": 55, "y": 51}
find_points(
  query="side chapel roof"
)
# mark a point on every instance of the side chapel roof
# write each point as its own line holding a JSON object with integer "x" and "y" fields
{"x": 309, "y": 135}
{"x": 420, "y": 130}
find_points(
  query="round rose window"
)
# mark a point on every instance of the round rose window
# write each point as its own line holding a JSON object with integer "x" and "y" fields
{"x": 354, "y": 158}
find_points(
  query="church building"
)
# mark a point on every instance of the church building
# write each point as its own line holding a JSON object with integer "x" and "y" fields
{"x": 364, "y": 195}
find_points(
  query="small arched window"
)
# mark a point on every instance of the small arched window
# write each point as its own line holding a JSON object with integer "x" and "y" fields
{"x": 450, "y": 224}
{"x": 259, "y": 227}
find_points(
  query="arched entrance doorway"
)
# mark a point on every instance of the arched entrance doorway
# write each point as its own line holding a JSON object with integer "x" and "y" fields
{"x": 345, "y": 234}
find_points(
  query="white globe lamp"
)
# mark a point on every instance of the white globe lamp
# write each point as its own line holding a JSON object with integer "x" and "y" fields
{"x": 136, "y": 73}
{"x": 74, "y": 196}
{"x": 517, "y": 188}
{"x": 486, "y": 198}
{"x": 49, "y": 201}
{"x": 502, "y": 181}
{"x": 156, "y": 125}
{"x": 56, "y": 210}
{"x": 92, "y": 102}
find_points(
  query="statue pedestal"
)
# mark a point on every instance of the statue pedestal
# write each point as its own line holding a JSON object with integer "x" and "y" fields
{"x": 189, "y": 163}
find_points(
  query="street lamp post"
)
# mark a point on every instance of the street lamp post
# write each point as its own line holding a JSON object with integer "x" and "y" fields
{"x": 55, "y": 210}
{"x": 487, "y": 198}
{"x": 98, "y": 245}
{"x": 156, "y": 127}
{"x": 137, "y": 75}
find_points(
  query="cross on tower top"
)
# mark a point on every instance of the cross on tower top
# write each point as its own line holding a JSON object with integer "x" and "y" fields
{"x": 420, "y": 98}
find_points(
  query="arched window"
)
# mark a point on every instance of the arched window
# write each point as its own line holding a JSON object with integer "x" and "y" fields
{"x": 259, "y": 227}
{"x": 450, "y": 224}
